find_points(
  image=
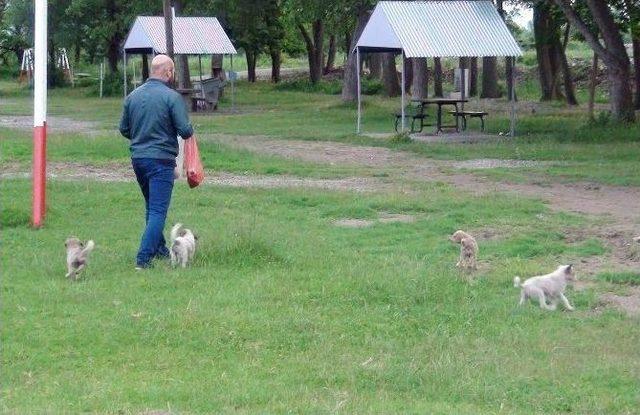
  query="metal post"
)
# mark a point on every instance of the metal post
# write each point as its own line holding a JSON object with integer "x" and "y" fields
{"x": 38, "y": 206}
{"x": 124, "y": 58}
{"x": 233, "y": 90}
{"x": 358, "y": 83}
{"x": 200, "y": 69}
{"x": 101, "y": 75}
{"x": 402, "y": 99}
{"x": 512, "y": 125}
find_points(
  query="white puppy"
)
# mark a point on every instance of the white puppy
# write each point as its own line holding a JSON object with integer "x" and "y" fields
{"x": 550, "y": 285}
{"x": 77, "y": 255}
{"x": 183, "y": 245}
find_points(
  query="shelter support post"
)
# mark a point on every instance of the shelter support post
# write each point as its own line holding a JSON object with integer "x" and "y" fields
{"x": 200, "y": 71}
{"x": 358, "y": 88}
{"x": 233, "y": 89}
{"x": 124, "y": 70}
{"x": 512, "y": 98}
{"x": 402, "y": 92}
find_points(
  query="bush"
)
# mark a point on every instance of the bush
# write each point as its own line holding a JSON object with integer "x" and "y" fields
{"x": 111, "y": 85}
{"x": 333, "y": 87}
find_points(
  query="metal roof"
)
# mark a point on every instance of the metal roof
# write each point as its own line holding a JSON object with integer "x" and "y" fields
{"x": 454, "y": 28}
{"x": 191, "y": 36}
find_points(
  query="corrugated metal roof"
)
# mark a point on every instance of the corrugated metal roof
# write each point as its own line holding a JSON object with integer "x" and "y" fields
{"x": 454, "y": 28}
{"x": 191, "y": 36}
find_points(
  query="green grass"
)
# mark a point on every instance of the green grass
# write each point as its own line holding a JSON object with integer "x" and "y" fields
{"x": 262, "y": 322}
{"x": 631, "y": 278}
{"x": 283, "y": 312}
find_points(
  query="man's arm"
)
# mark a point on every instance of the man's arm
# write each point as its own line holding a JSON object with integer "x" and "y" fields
{"x": 125, "y": 127}
{"x": 180, "y": 117}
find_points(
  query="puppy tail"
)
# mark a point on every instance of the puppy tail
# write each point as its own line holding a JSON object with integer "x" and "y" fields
{"x": 88, "y": 248}
{"x": 174, "y": 231}
{"x": 516, "y": 282}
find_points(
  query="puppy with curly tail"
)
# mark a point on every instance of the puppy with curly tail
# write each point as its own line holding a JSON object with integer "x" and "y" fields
{"x": 550, "y": 286}
{"x": 183, "y": 245}
{"x": 77, "y": 255}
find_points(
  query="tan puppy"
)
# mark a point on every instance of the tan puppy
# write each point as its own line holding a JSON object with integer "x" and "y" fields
{"x": 77, "y": 255}
{"x": 468, "y": 249}
{"x": 550, "y": 286}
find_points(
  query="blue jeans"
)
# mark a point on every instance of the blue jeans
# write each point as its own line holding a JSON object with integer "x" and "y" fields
{"x": 155, "y": 178}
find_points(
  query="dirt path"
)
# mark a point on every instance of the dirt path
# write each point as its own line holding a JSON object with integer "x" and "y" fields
{"x": 54, "y": 124}
{"x": 121, "y": 172}
{"x": 618, "y": 202}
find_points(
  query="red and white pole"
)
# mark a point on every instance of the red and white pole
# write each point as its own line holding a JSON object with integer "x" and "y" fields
{"x": 39, "y": 114}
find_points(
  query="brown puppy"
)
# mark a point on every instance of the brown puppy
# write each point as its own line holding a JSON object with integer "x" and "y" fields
{"x": 468, "y": 249}
{"x": 77, "y": 255}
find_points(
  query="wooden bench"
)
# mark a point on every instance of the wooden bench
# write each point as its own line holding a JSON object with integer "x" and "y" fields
{"x": 470, "y": 114}
{"x": 414, "y": 114}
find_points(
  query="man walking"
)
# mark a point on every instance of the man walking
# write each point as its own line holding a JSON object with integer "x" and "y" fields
{"x": 152, "y": 118}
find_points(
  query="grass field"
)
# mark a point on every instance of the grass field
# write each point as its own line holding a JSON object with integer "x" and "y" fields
{"x": 285, "y": 312}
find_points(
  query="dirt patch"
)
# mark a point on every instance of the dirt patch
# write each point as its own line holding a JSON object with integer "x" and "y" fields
{"x": 54, "y": 124}
{"x": 385, "y": 217}
{"x": 353, "y": 223}
{"x": 497, "y": 163}
{"x": 628, "y": 304}
{"x": 119, "y": 172}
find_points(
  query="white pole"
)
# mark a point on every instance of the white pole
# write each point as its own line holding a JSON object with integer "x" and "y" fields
{"x": 358, "y": 83}
{"x": 124, "y": 67}
{"x": 512, "y": 124}
{"x": 402, "y": 98}
{"x": 39, "y": 114}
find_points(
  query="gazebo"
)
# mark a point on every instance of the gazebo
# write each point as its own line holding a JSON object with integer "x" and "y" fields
{"x": 426, "y": 29}
{"x": 191, "y": 36}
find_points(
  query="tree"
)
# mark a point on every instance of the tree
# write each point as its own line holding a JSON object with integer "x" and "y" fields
{"x": 613, "y": 53}
{"x": 420, "y": 86}
{"x": 489, "y": 78}
{"x": 390, "y": 83}
{"x": 182, "y": 61}
{"x": 437, "y": 78}
{"x": 361, "y": 9}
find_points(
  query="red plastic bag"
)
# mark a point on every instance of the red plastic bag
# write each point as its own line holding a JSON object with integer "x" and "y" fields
{"x": 192, "y": 163}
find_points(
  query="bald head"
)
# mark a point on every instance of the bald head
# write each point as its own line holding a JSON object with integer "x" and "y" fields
{"x": 162, "y": 68}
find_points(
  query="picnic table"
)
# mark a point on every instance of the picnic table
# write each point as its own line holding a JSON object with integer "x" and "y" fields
{"x": 440, "y": 102}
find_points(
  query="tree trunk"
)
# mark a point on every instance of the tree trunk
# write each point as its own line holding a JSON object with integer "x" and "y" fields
{"x": 408, "y": 74}
{"x": 145, "y": 67}
{"x": 168, "y": 26}
{"x": 510, "y": 68}
{"x": 251, "y": 65}
{"x": 331, "y": 55}
{"x": 635, "y": 40}
{"x": 390, "y": 82}
{"x": 113, "y": 48}
{"x": 375, "y": 66}
{"x": 547, "y": 53}
{"x": 592, "y": 86}
{"x": 569, "y": 89}
{"x": 489, "y": 78}
{"x": 315, "y": 50}
{"x": 613, "y": 54}
{"x": 437, "y": 78}
{"x": 420, "y": 87}
{"x": 182, "y": 61}
{"x": 473, "y": 74}
{"x": 350, "y": 82}
{"x": 276, "y": 61}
